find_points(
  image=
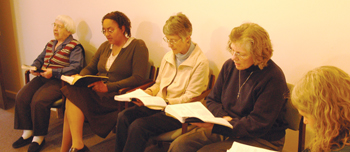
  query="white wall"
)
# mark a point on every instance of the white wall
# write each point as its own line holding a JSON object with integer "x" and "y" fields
{"x": 305, "y": 33}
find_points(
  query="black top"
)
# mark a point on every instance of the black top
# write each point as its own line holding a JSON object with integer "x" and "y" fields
{"x": 259, "y": 111}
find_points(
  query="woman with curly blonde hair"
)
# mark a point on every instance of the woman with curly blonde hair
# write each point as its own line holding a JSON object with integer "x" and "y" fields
{"x": 322, "y": 96}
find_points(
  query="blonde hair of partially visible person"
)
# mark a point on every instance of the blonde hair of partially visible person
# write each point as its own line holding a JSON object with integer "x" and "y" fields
{"x": 179, "y": 25}
{"x": 256, "y": 41}
{"x": 324, "y": 93}
{"x": 67, "y": 22}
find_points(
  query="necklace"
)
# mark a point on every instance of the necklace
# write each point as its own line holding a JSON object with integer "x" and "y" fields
{"x": 239, "y": 80}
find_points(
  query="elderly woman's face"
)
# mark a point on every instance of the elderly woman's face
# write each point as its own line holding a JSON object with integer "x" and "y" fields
{"x": 242, "y": 58}
{"x": 176, "y": 44}
{"x": 59, "y": 31}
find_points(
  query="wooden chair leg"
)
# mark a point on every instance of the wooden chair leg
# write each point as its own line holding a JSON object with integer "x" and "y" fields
{"x": 184, "y": 128}
{"x": 302, "y": 130}
{"x": 60, "y": 112}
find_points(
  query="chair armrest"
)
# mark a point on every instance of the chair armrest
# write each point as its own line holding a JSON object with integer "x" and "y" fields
{"x": 200, "y": 97}
{"x": 26, "y": 76}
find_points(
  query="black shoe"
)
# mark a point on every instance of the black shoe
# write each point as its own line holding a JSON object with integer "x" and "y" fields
{"x": 35, "y": 147}
{"x": 22, "y": 142}
{"x": 85, "y": 149}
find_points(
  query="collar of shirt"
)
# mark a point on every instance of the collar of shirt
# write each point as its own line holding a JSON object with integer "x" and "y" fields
{"x": 182, "y": 57}
{"x": 65, "y": 42}
{"x": 126, "y": 44}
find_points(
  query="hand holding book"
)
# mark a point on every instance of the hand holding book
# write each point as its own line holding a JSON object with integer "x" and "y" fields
{"x": 82, "y": 81}
{"x": 31, "y": 68}
{"x": 98, "y": 86}
{"x": 138, "y": 102}
{"x": 152, "y": 102}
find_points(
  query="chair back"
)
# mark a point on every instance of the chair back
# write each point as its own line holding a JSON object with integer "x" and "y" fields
{"x": 292, "y": 115}
{"x": 151, "y": 70}
{"x": 295, "y": 120}
{"x": 88, "y": 55}
{"x": 205, "y": 93}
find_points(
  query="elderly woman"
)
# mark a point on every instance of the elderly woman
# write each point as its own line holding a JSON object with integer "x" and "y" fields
{"x": 63, "y": 55}
{"x": 322, "y": 96}
{"x": 183, "y": 75}
{"x": 124, "y": 60}
{"x": 249, "y": 93}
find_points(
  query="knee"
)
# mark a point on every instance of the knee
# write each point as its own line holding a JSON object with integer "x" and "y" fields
{"x": 122, "y": 117}
{"x": 126, "y": 116}
{"x": 137, "y": 126}
{"x": 178, "y": 144}
{"x": 39, "y": 105}
{"x": 21, "y": 98}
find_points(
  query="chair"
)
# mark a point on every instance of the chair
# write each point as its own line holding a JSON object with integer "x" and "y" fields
{"x": 59, "y": 105}
{"x": 295, "y": 121}
{"x": 172, "y": 135}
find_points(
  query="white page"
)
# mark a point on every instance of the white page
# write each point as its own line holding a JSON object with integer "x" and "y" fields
{"x": 195, "y": 109}
{"x": 153, "y": 101}
{"x": 134, "y": 94}
{"x": 68, "y": 79}
{"x": 238, "y": 147}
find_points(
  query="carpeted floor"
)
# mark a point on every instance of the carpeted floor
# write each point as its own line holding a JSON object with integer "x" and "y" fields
{"x": 53, "y": 140}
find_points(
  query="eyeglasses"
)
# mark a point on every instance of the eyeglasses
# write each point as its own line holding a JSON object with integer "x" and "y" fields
{"x": 57, "y": 25}
{"x": 172, "y": 42}
{"x": 238, "y": 55}
{"x": 110, "y": 31}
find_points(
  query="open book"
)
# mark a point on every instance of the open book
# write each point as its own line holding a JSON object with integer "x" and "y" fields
{"x": 152, "y": 102}
{"x": 82, "y": 81}
{"x": 33, "y": 68}
{"x": 236, "y": 146}
{"x": 194, "y": 112}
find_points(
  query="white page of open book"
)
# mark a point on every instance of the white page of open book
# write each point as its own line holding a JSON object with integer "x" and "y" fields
{"x": 236, "y": 146}
{"x": 153, "y": 101}
{"x": 68, "y": 79}
{"x": 195, "y": 109}
{"x": 127, "y": 97}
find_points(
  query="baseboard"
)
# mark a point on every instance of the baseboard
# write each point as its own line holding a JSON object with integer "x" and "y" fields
{"x": 11, "y": 94}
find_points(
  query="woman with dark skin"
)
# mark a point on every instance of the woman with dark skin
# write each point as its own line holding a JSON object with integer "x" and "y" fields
{"x": 124, "y": 60}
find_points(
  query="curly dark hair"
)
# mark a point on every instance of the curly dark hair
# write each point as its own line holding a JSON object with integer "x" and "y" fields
{"x": 121, "y": 19}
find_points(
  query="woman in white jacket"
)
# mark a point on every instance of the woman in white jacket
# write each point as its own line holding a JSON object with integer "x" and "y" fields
{"x": 183, "y": 75}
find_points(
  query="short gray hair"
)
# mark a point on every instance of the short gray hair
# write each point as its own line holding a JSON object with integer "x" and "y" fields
{"x": 179, "y": 25}
{"x": 67, "y": 22}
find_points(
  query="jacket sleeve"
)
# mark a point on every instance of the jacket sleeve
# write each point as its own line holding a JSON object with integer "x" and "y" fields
{"x": 39, "y": 61}
{"x": 156, "y": 86}
{"x": 197, "y": 84}
{"x": 214, "y": 103}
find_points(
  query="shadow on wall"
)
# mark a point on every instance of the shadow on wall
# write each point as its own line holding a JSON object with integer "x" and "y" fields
{"x": 218, "y": 48}
{"x": 84, "y": 34}
{"x": 152, "y": 35}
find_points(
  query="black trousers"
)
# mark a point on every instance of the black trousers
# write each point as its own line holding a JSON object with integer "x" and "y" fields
{"x": 136, "y": 125}
{"x": 33, "y": 103}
